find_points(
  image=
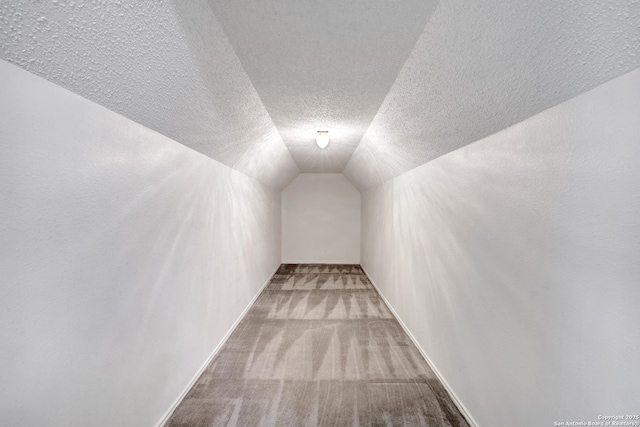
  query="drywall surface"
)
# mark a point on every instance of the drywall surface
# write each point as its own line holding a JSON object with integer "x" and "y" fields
{"x": 514, "y": 262}
{"x": 164, "y": 64}
{"x": 322, "y": 65}
{"x": 321, "y": 220}
{"x": 479, "y": 67}
{"x": 125, "y": 258}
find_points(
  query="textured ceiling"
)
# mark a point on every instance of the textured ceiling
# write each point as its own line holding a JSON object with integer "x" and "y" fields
{"x": 166, "y": 65}
{"x": 322, "y": 65}
{"x": 480, "y": 67}
{"x": 417, "y": 78}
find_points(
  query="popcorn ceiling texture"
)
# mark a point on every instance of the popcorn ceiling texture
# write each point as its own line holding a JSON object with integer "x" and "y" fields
{"x": 476, "y": 68}
{"x": 322, "y": 65}
{"x": 480, "y": 67}
{"x": 167, "y": 66}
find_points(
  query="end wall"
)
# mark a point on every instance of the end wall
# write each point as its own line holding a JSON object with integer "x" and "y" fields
{"x": 321, "y": 220}
{"x": 125, "y": 259}
{"x": 514, "y": 261}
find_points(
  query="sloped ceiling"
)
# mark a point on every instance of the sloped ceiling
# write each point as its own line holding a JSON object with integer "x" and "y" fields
{"x": 482, "y": 66}
{"x": 166, "y": 65}
{"x": 397, "y": 83}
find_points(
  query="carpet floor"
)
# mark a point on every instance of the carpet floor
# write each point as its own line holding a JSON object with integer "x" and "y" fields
{"x": 318, "y": 348}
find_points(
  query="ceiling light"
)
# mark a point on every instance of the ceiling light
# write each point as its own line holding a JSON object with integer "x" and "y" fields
{"x": 322, "y": 139}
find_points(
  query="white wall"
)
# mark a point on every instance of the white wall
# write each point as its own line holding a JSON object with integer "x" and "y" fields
{"x": 125, "y": 258}
{"x": 321, "y": 220}
{"x": 515, "y": 262}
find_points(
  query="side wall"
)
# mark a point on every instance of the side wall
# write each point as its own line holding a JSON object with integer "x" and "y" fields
{"x": 514, "y": 262}
{"x": 321, "y": 220}
{"x": 125, "y": 259}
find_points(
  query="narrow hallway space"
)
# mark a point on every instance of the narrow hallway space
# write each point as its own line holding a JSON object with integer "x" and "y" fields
{"x": 318, "y": 347}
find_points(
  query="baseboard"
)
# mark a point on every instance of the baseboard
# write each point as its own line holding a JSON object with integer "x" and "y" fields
{"x": 322, "y": 262}
{"x": 213, "y": 354}
{"x": 448, "y": 388}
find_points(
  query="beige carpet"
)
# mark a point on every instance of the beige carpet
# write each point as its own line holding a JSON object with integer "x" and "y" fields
{"x": 318, "y": 348}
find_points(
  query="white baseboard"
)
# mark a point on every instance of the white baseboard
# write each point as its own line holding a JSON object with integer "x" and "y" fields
{"x": 348, "y": 262}
{"x": 449, "y": 390}
{"x": 213, "y": 354}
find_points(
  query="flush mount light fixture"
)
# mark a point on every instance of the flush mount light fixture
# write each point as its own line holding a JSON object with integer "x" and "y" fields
{"x": 322, "y": 138}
